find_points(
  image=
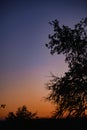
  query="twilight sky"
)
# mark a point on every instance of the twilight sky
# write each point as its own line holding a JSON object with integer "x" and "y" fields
{"x": 25, "y": 62}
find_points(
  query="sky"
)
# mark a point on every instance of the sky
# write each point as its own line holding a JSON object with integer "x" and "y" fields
{"x": 25, "y": 62}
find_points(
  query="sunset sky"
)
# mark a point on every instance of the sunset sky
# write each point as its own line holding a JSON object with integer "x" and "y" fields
{"x": 25, "y": 62}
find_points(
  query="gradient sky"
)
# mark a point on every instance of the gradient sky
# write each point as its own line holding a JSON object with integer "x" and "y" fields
{"x": 25, "y": 62}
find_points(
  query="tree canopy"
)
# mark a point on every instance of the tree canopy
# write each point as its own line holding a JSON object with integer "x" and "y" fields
{"x": 69, "y": 92}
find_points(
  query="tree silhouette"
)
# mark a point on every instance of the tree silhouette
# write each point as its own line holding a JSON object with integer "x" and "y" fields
{"x": 69, "y": 92}
{"x": 21, "y": 114}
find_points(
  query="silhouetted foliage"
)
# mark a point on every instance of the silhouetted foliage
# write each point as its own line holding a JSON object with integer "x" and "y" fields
{"x": 21, "y": 114}
{"x": 69, "y": 92}
{"x": 11, "y": 116}
{"x": 2, "y": 105}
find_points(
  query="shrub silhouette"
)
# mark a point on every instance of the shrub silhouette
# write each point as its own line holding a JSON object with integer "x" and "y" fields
{"x": 21, "y": 114}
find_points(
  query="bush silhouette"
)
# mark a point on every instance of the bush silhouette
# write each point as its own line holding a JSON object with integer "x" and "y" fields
{"x": 21, "y": 114}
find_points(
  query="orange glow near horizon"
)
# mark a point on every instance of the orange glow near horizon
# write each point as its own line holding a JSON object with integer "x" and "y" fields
{"x": 27, "y": 87}
{"x": 42, "y": 109}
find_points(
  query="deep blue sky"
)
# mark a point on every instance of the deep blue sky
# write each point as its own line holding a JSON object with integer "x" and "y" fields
{"x": 24, "y": 28}
{"x": 24, "y": 31}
